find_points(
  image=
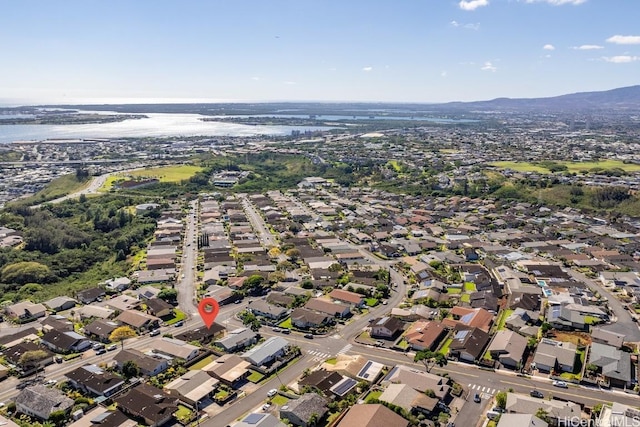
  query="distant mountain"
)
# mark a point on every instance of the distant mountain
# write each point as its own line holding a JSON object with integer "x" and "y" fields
{"x": 620, "y": 98}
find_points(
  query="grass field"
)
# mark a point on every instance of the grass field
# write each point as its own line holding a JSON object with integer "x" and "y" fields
{"x": 202, "y": 363}
{"x": 59, "y": 187}
{"x": 445, "y": 347}
{"x": 571, "y": 166}
{"x": 286, "y": 324}
{"x": 503, "y": 318}
{"x": 174, "y": 173}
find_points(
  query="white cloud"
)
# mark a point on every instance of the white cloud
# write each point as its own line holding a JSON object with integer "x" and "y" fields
{"x": 618, "y": 39}
{"x": 367, "y": 69}
{"x": 488, "y": 66}
{"x": 474, "y": 27}
{"x": 621, "y": 59}
{"x": 472, "y": 4}
{"x": 255, "y": 78}
{"x": 588, "y": 47}
{"x": 549, "y": 47}
{"x": 443, "y": 74}
{"x": 558, "y": 2}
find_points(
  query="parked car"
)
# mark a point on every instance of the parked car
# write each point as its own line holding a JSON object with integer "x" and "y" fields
{"x": 101, "y": 351}
{"x": 308, "y": 336}
{"x": 154, "y": 333}
{"x": 476, "y": 398}
{"x": 286, "y": 331}
{"x": 98, "y": 346}
{"x": 560, "y": 384}
{"x": 536, "y": 393}
{"x": 112, "y": 347}
{"x": 266, "y": 406}
{"x": 272, "y": 392}
{"x": 276, "y": 329}
{"x": 178, "y": 324}
{"x": 51, "y": 382}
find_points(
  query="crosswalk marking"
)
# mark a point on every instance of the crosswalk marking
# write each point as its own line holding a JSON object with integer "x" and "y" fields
{"x": 485, "y": 391}
{"x": 345, "y": 349}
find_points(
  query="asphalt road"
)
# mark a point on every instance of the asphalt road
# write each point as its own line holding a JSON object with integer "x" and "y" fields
{"x": 267, "y": 239}
{"x": 187, "y": 276}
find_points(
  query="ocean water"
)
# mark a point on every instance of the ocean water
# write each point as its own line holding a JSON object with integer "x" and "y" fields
{"x": 156, "y": 125}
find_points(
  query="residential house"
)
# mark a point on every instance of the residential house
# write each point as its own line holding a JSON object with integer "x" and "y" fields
{"x": 468, "y": 344}
{"x": 123, "y": 302}
{"x": 192, "y": 387}
{"x": 202, "y": 334}
{"x": 508, "y": 348}
{"x": 176, "y": 349}
{"x": 40, "y": 401}
{"x": 409, "y": 399}
{"x": 90, "y": 295}
{"x": 229, "y": 369}
{"x": 374, "y": 415}
{"x": 557, "y": 410}
{"x": 100, "y": 329}
{"x": 238, "y": 339}
{"x": 260, "y": 307}
{"x": 149, "y": 366}
{"x": 520, "y": 318}
{"x": 90, "y": 379}
{"x": 469, "y": 317}
{"x": 281, "y": 299}
{"x": 347, "y": 297}
{"x": 356, "y": 367}
{"x": 148, "y": 403}
{"x": 618, "y": 414}
{"x": 555, "y": 355}
{"x": 259, "y": 420}
{"x": 416, "y": 312}
{"x": 604, "y": 336}
{"x": 159, "y": 307}
{"x": 138, "y": 320}
{"x": 425, "y": 335}
{"x": 118, "y": 284}
{"x": 307, "y": 319}
{"x": 60, "y": 303}
{"x": 327, "y": 307}
{"x": 419, "y": 380}
{"x": 65, "y": 342}
{"x": 321, "y": 380}
{"x": 267, "y": 352}
{"x": 305, "y": 411}
{"x": 93, "y": 311}
{"x": 521, "y": 420}
{"x": 14, "y": 354}
{"x": 386, "y": 327}
{"x": 57, "y": 322}
{"x": 147, "y": 292}
{"x": 614, "y": 364}
{"x": 560, "y": 317}
{"x": 25, "y": 311}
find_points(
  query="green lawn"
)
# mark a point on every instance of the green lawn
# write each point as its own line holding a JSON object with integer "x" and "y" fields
{"x": 278, "y": 399}
{"x": 286, "y": 324}
{"x": 177, "y": 316}
{"x": 520, "y": 166}
{"x": 445, "y": 347}
{"x": 183, "y": 414}
{"x": 465, "y": 298}
{"x": 331, "y": 361}
{"x": 454, "y": 290}
{"x": 371, "y": 302}
{"x": 469, "y": 287}
{"x": 202, "y": 363}
{"x": 373, "y": 395}
{"x": 255, "y": 377}
{"x": 591, "y": 320}
{"x": 504, "y": 314}
{"x": 403, "y": 345}
{"x": 175, "y": 173}
{"x": 571, "y": 166}
{"x": 59, "y": 187}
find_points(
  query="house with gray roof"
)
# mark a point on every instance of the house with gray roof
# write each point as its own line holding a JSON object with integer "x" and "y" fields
{"x": 266, "y": 352}
{"x": 40, "y": 401}
{"x": 614, "y": 364}
{"x": 555, "y": 355}
{"x": 408, "y": 398}
{"x": 259, "y": 420}
{"x": 604, "y": 336}
{"x": 60, "y": 303}
{"x": 561, "y": 317}
{"x": 557, "y": 410}
{"x": 260, "y": 307}
{"x": 521, "y": 420}
{"x": 65, "y": 342}
{"x": 508, "y": 347}
{"x": 300, "y": 411}
{"x": 237, "y": 339}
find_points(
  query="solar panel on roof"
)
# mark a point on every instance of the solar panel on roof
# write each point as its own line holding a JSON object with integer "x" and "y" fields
{"x": 467, "y": 318}
{"x": 344, "y": 386}
{"x": 364, "y": 369}
{"x": 460, "y": 335}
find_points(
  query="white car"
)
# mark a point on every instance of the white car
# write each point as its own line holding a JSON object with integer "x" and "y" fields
{"x": 272, "y": 392}
{"x": 266, "y": 406}
{"x": 560, "y": 384}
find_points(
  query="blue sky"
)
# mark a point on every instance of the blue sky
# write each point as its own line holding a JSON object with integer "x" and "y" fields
{"x": 329, "y": 50}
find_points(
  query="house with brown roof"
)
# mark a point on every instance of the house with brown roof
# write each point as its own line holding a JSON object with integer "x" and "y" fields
{"x": 308, "y": 319}
{"x": 148, "y": 403}
{"x": 138, "y": 320}
{"x": 425, "y": 335}
{"x": 469, "y": 343}
{"x": 100, "y": 329}
{"x": 25, "y": 311}
{"x": 159, "y": 307}
{"x": 148, "y": 365}
{"x": 91, "y": 379}
{"x": 327, "y": 307}
{"x": 347, "y": 297}
{"x": 322, "y": 380}
{"x": 418, "y": 379}
{"x": 373, "y": 415}
{"x": 230, "y": 369}
{"x": 469, "y": 317}
{"x": 386, "y": 327}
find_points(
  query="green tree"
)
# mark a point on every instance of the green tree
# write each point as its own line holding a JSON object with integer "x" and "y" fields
{"x": 30, "y": 358}
{"x": 58, "y": 418}
{"x": 543, "y": 415}
{"x": 501, "y": 399}
{"x": 430, "y": 359}
{"x": 130, "y": 369}
{"x": 250, "y": 320}
{"x": 25, "y": 272}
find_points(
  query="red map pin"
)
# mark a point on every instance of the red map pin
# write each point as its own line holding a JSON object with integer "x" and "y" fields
{"x": 208, "y": 308}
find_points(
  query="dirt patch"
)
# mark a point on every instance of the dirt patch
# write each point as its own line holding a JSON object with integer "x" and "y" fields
{"x": 580, "y": 339}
